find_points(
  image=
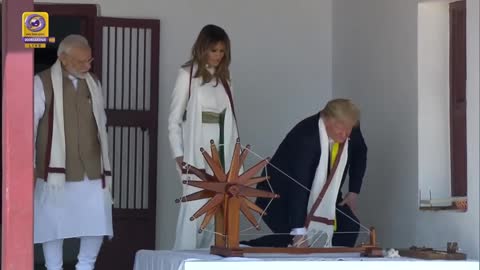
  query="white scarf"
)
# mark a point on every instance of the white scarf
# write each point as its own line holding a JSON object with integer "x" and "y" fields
{"x": 56, "y": 180}
{"x": 317, "y": 230}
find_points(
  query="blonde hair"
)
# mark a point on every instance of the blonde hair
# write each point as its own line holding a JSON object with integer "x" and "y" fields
{"x": 342, "y": 110}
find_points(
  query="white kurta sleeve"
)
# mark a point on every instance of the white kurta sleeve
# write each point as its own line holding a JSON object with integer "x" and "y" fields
{"x": 178, "y": 105}
{"x": 38, "y": 107}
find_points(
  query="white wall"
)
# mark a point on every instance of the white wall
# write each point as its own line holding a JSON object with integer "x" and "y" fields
{"x": 282, "y": 69}
{"x": 433, "y": 100}
{"x": 375, "y": 63}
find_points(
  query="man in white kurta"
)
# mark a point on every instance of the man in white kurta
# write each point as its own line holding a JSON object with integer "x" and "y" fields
{"x": 73, "y": 177}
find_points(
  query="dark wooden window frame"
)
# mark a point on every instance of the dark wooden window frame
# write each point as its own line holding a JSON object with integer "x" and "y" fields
{"x": 458, "y": 107}
{"x": 458, "y": 100}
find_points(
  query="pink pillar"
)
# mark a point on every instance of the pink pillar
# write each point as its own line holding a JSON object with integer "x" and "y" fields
{"x": 17, "y": 156}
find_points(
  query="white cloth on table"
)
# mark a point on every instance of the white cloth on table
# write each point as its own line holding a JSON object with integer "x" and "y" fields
{"x": 201, "y": 259}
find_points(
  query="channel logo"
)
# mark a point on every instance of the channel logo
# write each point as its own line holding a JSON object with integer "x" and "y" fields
{"x": 35, "y": 27}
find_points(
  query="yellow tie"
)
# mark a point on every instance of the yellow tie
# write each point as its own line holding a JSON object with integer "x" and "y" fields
{"x": 333, "y": 156}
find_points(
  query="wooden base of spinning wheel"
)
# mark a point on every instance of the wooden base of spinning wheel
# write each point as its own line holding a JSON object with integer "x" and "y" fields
{"x": 368, "y": 250}
{"x": 372, "y": 252}
{"x": 227, "y": 252}
{"x": 239, "y": 252}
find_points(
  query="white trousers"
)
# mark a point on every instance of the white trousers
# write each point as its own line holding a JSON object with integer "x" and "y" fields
{"x": 89, "y": 248}
{"x": 187, "y": 236}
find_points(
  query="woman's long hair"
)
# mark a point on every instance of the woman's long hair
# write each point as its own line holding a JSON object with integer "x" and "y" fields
{"x": 208, "y": 37}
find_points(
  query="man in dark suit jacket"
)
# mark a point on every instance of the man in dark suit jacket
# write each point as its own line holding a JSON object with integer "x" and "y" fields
{"x": 297, "y": 157}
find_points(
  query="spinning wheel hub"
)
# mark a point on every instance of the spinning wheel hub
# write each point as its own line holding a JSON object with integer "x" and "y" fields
{"x": 233, "y": 190}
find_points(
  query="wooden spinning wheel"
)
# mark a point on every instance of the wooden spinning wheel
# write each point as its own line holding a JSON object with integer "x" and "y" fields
{"x": 228, "y": 197}
{"x": 228, "y": 194}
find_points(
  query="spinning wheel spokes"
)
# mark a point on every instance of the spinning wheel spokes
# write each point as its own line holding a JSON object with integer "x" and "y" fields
{"x": 227, "y": 192}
